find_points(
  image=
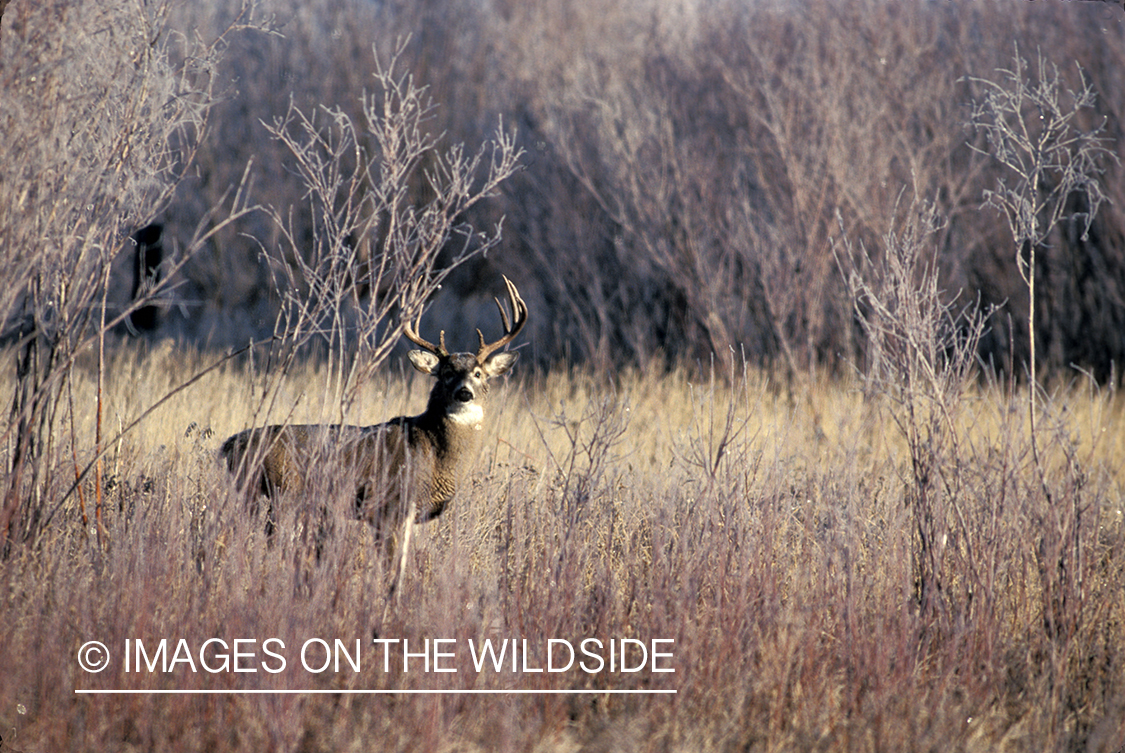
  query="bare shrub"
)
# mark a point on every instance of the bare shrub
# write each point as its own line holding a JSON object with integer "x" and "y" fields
{"x": 1032, "y": 124}
{"x": 366, "y": 244}
{"x": 692, "y": 170}
{"x": 977, "y": 469}
{"x": 713, "y": 150}
{"x": 922, "y": 354}
{"x": 1033, "y": 130}
{"x": 320, "y": 64}
{"x": 100, "y": 122}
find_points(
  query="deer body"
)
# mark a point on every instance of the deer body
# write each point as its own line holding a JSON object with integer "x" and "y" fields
{"x": 407, "y": 462}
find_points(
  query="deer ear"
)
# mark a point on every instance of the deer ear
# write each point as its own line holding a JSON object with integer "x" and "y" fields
{"x": 499, "y": 363}
{"x": 424, "y": 361}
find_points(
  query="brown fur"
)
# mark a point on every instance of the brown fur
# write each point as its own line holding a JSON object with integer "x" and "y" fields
{"x": 410, "y": 461}
{"x": 406, "y": 459}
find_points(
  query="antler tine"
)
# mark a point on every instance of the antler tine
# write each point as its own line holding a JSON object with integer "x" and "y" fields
{"x": 411, "y": 333}
{"x": 511, "y": 328}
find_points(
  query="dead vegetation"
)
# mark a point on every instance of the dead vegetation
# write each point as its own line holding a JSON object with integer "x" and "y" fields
{"x": 822, "y": 593}
{"x": 794, "y": 425}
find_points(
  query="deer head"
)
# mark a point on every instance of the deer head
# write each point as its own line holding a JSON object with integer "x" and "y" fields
{"x": 462, "y": 378}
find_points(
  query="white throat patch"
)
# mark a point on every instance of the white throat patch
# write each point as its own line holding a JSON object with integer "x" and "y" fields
{"x": 470, "y": 415}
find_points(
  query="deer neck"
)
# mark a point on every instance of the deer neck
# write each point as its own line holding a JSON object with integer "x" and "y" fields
{"x": 450, "y": 432}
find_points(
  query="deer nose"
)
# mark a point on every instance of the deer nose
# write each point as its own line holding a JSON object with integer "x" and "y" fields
{"x": 464, "y": 395}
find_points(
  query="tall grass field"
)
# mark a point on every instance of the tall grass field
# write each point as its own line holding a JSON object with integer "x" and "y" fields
{"x": 815, "y": 442}
{"x": 770, "y": 537}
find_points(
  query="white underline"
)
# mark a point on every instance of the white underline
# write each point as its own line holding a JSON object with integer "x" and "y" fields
{"x": 321, "y": 691}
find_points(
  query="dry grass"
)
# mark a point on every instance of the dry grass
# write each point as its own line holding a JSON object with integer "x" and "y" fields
{"x": 768, "y": 533}
{"x": 905, "y": 560}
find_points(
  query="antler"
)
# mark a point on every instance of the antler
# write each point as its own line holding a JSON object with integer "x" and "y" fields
{"x": 519, "y": 312}
{"x": 411, "y": 332}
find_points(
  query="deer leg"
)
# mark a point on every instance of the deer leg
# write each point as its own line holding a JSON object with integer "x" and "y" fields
{"x": 393, "y": 595}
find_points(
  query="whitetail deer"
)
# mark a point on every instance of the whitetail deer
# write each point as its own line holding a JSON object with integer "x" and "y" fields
{"x": 409, "y": 463}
